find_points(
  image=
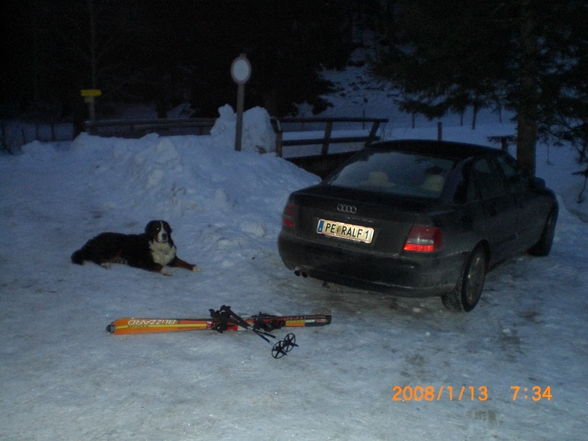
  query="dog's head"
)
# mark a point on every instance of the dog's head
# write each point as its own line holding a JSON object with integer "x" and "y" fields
{"x": 159, "y": 231}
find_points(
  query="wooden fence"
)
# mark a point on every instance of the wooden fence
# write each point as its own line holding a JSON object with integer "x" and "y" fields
{"x": 137, "y": 128}
{"x": 325, "y": 136}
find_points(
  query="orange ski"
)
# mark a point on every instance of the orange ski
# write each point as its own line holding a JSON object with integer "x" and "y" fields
{"x": 263, "y": 322}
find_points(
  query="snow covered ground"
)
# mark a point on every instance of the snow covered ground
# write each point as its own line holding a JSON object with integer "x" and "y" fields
{"x": 62, "y": 377}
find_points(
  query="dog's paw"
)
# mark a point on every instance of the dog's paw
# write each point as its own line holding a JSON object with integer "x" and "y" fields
{"x": 196, "y": 268}
{"x": 105, "y": 265}
{"x": 165, "y": 273}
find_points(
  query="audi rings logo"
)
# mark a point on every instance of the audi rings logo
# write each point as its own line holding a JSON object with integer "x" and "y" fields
{"x": 344, "y": 208}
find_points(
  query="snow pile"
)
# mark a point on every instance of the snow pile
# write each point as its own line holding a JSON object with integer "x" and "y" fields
{"x": 258, "y": 134}
{"x": 173, "y": 175}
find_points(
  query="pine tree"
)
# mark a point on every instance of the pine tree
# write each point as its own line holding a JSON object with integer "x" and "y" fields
{"x": 523, "y": 55}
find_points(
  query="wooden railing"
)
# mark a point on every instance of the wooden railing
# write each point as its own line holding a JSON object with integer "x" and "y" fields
{"x": 308, "y": 131}
{"x": 138, "y": 128}
{"x": 503, "y": 140}
{"x": 328, "y": 135}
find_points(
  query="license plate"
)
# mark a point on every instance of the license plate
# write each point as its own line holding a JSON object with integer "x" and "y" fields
{"x": 340, "y": 230}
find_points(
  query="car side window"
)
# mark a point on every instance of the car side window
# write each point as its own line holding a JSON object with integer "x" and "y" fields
{"x": 488, "y": 180}
{"x": 465, "y": 190}
{"x": 515, "y": 179}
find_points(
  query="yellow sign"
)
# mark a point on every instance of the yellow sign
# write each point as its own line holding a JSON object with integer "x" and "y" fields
{"x": 91, "y": 92}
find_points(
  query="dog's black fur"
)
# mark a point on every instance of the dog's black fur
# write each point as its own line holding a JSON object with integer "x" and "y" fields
{"x": 152, "y": 250}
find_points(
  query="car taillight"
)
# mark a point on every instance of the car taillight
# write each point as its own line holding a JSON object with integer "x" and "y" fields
{"x": 289, "y": 215}
{"x": 423, "y": 239}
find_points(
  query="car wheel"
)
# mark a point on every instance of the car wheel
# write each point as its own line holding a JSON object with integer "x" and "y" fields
{"x": 543, "y": 245}
{"x": 468, "y": 288}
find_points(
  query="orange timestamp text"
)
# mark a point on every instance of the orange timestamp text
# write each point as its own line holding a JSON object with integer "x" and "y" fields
{"x": 466, "y": 393}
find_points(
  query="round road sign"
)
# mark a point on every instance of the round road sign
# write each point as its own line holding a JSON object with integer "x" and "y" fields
{"x": 241, "y": 69}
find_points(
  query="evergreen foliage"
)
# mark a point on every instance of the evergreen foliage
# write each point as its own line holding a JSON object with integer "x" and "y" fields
{"x": 528, "y": 56}
{"x": 171, "y": 52}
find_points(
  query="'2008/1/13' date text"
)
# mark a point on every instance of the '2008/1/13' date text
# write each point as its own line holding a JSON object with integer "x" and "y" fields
{"x": 463, "y": 393}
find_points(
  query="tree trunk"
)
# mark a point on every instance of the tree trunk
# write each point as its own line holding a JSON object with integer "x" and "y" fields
{"x": 527, "y": 110}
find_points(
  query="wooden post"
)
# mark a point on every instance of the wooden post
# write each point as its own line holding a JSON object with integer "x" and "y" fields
{"x": 279, "y": 146}
{"x": 328, "y": 130}
{"x": 439, "y": 131}
{"x": 504, "y": 143}
{"x": 277, "y": 127}
{"x": 373, "y": 133}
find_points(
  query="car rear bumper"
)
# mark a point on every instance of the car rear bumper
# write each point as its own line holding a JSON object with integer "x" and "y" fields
{"x": 410, "y": 275}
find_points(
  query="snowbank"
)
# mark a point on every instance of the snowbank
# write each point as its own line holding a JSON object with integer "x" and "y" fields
{"x": 258, "y": 134}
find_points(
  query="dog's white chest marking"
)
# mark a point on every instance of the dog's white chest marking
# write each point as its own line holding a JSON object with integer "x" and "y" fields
{"x": 162, "y": 253}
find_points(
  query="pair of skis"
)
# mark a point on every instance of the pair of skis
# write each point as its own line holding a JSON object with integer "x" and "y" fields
{"x": 224, "y": 319}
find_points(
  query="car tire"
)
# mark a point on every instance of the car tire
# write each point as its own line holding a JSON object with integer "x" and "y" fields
{"x": 469, "y": 286}
{"x": 543, "y": 245}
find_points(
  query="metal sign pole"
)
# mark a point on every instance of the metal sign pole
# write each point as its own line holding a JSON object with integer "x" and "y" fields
{"x": 89, "y": 98}
{"x": 91, "y": 108}
{"x": 239, "y": 126}
{"x": 241, "y": 72}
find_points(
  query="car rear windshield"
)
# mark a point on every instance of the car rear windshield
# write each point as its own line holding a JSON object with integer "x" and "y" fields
{"x": 401, "y": 173}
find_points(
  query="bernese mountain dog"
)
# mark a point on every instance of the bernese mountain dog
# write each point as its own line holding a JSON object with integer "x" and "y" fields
{"x": 151, "y": 251}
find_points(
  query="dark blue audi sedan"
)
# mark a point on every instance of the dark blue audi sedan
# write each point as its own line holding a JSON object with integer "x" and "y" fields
{"x": 418, "y": 218}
